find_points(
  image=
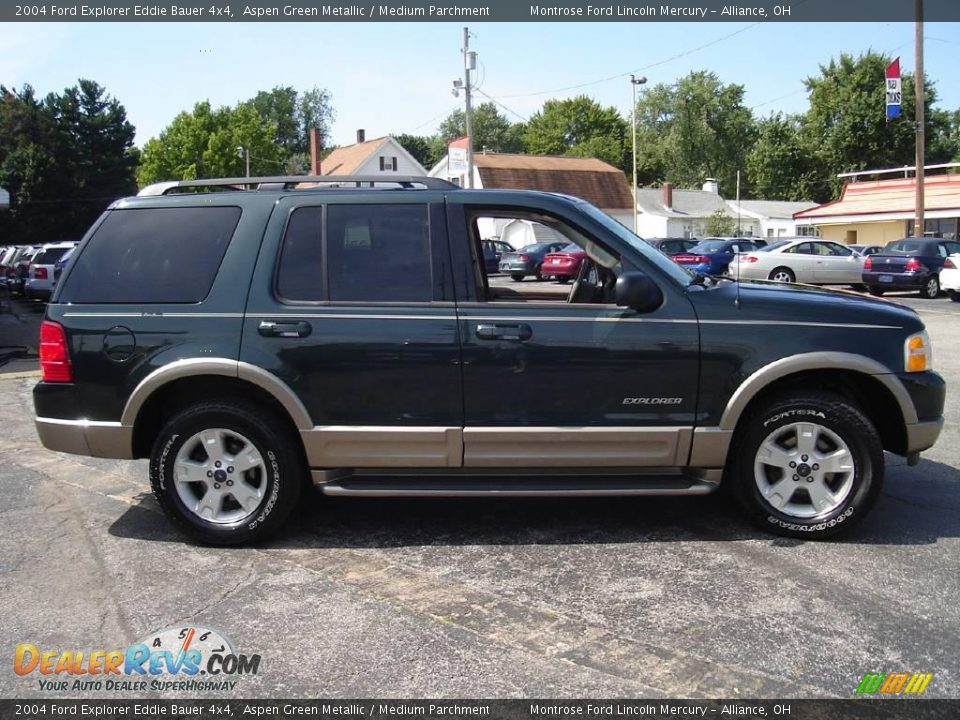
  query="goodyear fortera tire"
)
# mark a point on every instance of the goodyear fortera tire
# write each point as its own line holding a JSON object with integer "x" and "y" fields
{"x": 808, "y": 467}
{"x": 226, "y": 473}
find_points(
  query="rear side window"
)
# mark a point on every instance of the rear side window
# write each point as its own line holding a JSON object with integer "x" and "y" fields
{"x": 300, "y": 276}
{"x": 379, "y": 253}
{"x": 153, "y": 255}
{"x": 50, "y": 256}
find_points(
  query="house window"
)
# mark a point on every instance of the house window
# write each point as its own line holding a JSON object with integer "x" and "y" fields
{"x": 388, "y": 163}
{"x": 808, "y": 231}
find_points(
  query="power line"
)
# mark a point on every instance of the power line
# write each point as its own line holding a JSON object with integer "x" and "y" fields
{"x": 500, "y": 104}
{"x": 634, "y": 72}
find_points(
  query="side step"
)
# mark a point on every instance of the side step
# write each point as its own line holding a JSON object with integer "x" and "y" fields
{"x": 410, "y": 485}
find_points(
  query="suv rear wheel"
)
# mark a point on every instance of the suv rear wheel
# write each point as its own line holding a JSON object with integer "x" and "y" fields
{"x": 808, "y": 467}
{"x": 225, "y": 474}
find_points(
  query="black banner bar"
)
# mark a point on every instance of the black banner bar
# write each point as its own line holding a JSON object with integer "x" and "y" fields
{"x": 478, "y": 11}
{"x": 200, "y": 708}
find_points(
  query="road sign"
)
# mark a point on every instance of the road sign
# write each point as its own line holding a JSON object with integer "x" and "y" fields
{"x": 894, "y": 89}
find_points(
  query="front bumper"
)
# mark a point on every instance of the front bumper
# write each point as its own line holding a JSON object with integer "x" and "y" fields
{"x": 922, "y": 435}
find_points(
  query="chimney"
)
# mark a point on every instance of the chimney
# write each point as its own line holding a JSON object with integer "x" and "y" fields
{"x": 316, "y": 149}
{"x": 361, "y": 136}
{"x": 668, "y": 196}
{"x": 711, "y": 185}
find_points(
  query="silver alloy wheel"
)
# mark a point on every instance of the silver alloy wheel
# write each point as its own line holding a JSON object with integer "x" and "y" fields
{"x": 933, "y": 287}
{"x": 781, "y": 276}
{"x": 804, "y": 470}
{"x": 220, "y": 476}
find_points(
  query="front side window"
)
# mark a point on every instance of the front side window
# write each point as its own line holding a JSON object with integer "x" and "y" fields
{"x": 152, "y": 255}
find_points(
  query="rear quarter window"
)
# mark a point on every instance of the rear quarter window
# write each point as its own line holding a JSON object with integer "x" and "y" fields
{"x": 152, "y": 255}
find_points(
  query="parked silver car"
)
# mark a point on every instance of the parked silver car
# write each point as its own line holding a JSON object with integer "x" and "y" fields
{"x": 39, "y": 280}
{"x": 817, "y": 262}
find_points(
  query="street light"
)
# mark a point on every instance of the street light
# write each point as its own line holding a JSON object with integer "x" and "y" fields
{"x": 243, "y": 152}
{"x": 634, "y": 81}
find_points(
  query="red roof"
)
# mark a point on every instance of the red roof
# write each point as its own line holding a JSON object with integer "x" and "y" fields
{"x": 941, "y": 192}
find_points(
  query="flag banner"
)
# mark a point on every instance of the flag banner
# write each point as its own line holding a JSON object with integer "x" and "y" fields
{"x": 894, "y": 89}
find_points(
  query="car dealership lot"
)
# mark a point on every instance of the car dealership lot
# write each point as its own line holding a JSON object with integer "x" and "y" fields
{"x": 495, "y": 598}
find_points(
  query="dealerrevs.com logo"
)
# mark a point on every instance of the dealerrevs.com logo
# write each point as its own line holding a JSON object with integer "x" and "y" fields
{"x": 189, "y": 659}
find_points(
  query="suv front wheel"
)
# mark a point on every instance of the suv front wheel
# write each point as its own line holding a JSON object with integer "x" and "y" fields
{"x": 225, "y": 474}
{"x": 808, "y": 467}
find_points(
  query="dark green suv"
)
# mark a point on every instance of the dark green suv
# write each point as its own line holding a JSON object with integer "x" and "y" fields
{"x": 250, "y": 335}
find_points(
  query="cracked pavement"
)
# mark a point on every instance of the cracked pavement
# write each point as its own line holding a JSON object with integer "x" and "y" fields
{"x": 601, "y": 597}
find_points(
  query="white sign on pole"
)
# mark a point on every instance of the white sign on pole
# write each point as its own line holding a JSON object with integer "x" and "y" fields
{"x": 457, "y": 164}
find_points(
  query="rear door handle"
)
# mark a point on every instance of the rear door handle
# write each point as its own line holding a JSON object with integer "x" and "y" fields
{"x": 515, "y": 332}
{"x": 285, "y": 329}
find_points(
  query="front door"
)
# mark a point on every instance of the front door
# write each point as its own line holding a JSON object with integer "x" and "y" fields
{"x": 548, "y": 382}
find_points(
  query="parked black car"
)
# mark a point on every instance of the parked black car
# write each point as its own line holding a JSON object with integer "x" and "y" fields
{"x": 493, "y": 250}
{"x": 346, "y": 336}
{"x": 528, "y": 260}
{"x": 908, "y": 264}
{"x": 672, "y": 246}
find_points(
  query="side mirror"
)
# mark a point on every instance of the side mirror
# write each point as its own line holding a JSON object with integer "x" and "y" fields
{"x": 637, "y": 291}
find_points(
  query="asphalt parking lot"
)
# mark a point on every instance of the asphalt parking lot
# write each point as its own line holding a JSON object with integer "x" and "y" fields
{"x": 493, "y": 598}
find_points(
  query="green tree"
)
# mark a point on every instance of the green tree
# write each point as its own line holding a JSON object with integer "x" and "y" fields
{"x": 719, "y": 224}
{"x": 204, "y": 143}
{"x": 581, "y": 127}
{"x": 63, "y": 160}
{"x": 695, "y": 129}
{"x": 491, "y": 130}
{"x": 846, "y": 124}
{"x": 780, "y": 165}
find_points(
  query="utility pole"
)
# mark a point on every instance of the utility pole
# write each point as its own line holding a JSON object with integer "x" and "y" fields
{"x": 918, "y": 222}
{"x": 469, "y": 62}
{"x": 634, "y": 81}
{"x": 244, "y": 152}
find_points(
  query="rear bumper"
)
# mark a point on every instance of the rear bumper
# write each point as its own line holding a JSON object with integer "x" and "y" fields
{"x": 86, "y": 437}
{"x": 897, "y": 280}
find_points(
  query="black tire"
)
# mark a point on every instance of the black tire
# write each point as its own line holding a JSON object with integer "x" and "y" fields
{"x": 788, "y": 274}
{"x": 930, "y": 288}
{"x": 876, "y": 292}
{"x": 518, "y": 277}
{"x": 282, "y": 477}
{"x": 954, "y": 295}
{"x": 831, "y": 415}
{"x": 563, "y": 279}
{"x": 538, "y": 272}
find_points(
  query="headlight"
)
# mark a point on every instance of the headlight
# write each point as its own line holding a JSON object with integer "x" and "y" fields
{"x": 917, "y": 353}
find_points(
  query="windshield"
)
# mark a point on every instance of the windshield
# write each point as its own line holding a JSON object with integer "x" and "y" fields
{"x": 773, "y": 246}
{"x": 536, "y": 247}
{"x": 711, "y": 246}
{"x": 652, "y": 255}
{"x": 572, "y": 247}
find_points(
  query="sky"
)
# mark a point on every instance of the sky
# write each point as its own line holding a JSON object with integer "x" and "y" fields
{"x": 391, "y": 78}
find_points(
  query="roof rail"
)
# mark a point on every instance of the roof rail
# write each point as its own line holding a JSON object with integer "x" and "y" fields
{"x": 284, "y": 182}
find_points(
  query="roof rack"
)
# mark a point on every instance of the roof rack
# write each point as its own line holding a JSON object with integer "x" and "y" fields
{"x": 287, "y": 182}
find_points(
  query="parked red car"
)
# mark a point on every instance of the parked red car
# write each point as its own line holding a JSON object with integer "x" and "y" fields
{"x": 564, "y": 264}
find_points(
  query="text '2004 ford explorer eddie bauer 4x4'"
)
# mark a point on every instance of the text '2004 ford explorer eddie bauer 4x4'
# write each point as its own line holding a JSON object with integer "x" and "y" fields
{"x": 344, "y": 331}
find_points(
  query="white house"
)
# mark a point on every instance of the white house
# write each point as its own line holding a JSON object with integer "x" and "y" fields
{"x": 379, "y": 156}
{"x": 773, "y": 218}
{"x": 670, "y": 212}
{"x": 593, "y": 180}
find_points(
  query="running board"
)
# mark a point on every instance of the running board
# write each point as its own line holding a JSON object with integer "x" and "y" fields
{"x": 406, "y": 485}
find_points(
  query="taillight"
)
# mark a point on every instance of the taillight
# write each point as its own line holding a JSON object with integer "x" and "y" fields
{"x": 912, "y": 264}
{"x": 948, "y": 264}
{"x": 40, "y": 273}
{"x": 868, "y": 263}
{"x": 54, "y": 357}
{"x": 749, "y": 259}
{"x": 524, "y": 258}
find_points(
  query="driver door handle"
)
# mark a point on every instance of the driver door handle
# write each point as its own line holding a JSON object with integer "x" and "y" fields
{"x": 514, "y": 332}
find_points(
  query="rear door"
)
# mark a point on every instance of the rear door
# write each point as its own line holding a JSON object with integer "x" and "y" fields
{"x": 351, "y": 306}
